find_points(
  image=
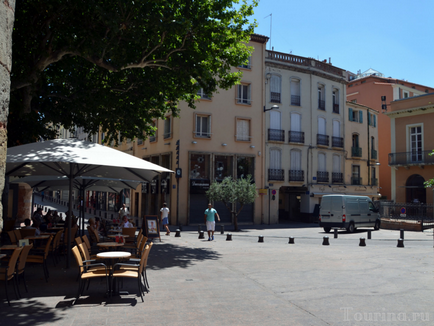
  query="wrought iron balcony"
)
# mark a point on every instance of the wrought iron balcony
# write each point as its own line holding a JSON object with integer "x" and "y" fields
{"x": 373, "y": 154}
{"x": 295, "y": 100}
{"x": 356, "y": 181}
{"x": 335, "y": 108}
{"x": 276, "y": 134}
{"x": 276, "y": 174}
{"x": 338, "y": 142}
{"x": 321, "y": 105}
{"x": 374, "y": 182}
{"x": 275, "y": 97}
{"x": 322, "y": 176}
{"x": 296, "y": 137}
{"x": 356, "y": 151}
{"x": 296, "y": 175}
{"x": 337, "y": 177}
{"x": 322, "y": 139}
{"x": 411, "y": 158}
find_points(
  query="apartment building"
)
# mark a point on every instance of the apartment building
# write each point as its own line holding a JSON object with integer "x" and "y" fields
{"x": 221, "y": 137}
{"x": 373, "y": 89}
{"x": 304, "y": 152}
{"x": 412, "y": 140}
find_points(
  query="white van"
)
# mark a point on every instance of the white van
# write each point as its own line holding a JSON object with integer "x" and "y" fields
{"x": 347, "y": 212}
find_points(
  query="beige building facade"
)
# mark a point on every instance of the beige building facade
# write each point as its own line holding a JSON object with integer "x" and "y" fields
{"x": 412, "y": 140}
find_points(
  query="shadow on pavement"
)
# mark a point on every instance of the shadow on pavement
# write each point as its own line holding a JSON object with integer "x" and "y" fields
{"x": 167, "y": 255}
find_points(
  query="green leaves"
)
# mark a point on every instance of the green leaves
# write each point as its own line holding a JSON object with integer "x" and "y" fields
{"x": 117, "y": 65}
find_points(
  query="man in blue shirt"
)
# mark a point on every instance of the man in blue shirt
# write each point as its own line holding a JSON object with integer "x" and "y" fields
{"x": 210, "y": 214}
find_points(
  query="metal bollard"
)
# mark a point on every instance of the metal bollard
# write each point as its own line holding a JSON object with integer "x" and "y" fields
{"x": 178, "y": 233}
{"x": 201, "y": 235}
{"x": 400, "y": 243}
{"x": 335, "y": 232}
{"x": 362, "y": 242}
{"x": 291, "y": 240}
{"x": 369, "y": 234}
{"x": 229, "y": 237}
{"x": 325, "y": 241}
{"x": 401, "y": 234}
{"x": 222, "y": 229}
{"x": 261, "y": 238}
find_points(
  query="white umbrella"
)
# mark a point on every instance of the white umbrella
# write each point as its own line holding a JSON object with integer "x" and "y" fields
{"x": 76, "y": 158}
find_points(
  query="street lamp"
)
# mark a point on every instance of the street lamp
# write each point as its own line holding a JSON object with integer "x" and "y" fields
{"x": 272, "y": 108}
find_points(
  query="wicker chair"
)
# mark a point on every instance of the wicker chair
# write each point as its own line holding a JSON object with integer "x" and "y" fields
{"x": 7, "y": 273}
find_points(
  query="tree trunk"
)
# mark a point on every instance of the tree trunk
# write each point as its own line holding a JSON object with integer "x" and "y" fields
{"x": 7, "y": 16}
{"x": 235, "y": 221}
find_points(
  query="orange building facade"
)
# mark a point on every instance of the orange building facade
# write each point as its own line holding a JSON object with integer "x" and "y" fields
{"x": 412, "y": 140}
{"x": 368, "y": 89}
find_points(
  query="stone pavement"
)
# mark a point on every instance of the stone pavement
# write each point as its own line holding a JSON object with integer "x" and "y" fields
{"x": 244, "y": 282}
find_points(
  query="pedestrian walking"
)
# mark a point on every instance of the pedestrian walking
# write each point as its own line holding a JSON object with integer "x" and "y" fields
{"x": 123, "y": 212}
{"x": 165, "y": 217}
{"x": 210, "y": 214}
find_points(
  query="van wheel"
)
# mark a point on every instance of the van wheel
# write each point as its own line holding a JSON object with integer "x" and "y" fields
{"x": 377, "y": 225}
{"x": 327, "y": 229}
{"x": 351, "y": 227}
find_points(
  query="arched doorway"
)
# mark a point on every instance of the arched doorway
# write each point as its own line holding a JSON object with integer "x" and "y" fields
{"x": 415, "y": 190}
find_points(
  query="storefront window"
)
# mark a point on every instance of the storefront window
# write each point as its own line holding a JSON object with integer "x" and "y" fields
{"x": 199, "y": 166}
{"x": 245, "y": 167}
{"x": 223, "y": 167}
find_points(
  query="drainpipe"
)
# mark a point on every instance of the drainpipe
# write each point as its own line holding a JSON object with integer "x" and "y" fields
{"x": 369, "y": 164}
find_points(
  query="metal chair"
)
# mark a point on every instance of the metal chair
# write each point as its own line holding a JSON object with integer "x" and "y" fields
{"x": 22, "y": 265}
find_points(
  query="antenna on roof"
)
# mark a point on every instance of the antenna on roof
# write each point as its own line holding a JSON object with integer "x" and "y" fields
{"x": 271, "y": 23}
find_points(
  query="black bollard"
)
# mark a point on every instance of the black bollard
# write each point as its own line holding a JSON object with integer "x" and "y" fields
{"x": 178, "y": 233}
{"x": 401, "y": 234}
{"x": 261, "y": 238}
{"x": 229, "y": 237}
{"x": 201, "y": 235}
{"x": 362, "y": 242}
{"x": 400, "y": 243}
{"x": 335, "y": 232}
{"x": 325, "y": 241}
{"x": 291, "y": 240}
{"x": 222, "y": 229}
{"x": 369, "y": 234}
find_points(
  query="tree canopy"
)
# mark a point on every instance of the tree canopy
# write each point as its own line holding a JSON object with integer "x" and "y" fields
{"x": 119, "y": 64}
{"x": 231, "y": 191}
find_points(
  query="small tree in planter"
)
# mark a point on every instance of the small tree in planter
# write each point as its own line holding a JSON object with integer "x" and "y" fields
{"x": 231, "y": 191}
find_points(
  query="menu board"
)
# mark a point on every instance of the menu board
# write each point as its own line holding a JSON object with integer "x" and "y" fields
{"x": 152, "y": 226}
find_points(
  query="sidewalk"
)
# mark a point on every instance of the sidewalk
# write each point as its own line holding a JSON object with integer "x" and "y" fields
{"x": 244, "y": 282}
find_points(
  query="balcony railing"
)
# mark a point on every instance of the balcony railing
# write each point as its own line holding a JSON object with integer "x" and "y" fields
{"x": 276, "y": 174}
{"x": 337, "y": 177}
{"x": 356, "y": 181}
{"x": 411, "y": 158}
{"x": 374, "y": 182}
{"x": 335, "y": 108}
{"x": 373, "y": 154}
{"x": 338, "y": 142}
{"x": 322, "y": 139}
{"x": 295, "y": 100}
{"x": 275, "y": 97}
{"x": 276, "y": 134}
{"x": 321, "y": 104}
{"x": 356, "y": 151}
{"x": 296, "y": 175}
{"x": 322, "y": 176}
{"x": 296, "y": 137}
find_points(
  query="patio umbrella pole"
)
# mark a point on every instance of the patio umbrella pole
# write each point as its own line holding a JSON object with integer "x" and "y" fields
{"x": 68, "y": 246}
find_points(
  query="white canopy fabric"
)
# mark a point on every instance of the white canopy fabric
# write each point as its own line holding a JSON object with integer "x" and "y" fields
{"x": 54, "y": 183}
{"x": 76, "y": 158}
{"x": 55, "y": 157}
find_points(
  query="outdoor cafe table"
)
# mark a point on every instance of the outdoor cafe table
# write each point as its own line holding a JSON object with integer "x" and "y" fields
{"x": 109, "y": 244}
{"x": 55, "y": 229}
{"x": 8, "y": 247}
{"x": 38, "y": 237}
{"x": 117, "y": 235}
{"x": 112, "y": 257}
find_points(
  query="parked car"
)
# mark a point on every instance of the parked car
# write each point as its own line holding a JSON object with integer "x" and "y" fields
{"x": 348, "y": 212}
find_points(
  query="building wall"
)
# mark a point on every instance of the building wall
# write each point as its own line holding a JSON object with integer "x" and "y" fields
{"x": 405, "y": 114}
{"x": 368, "y": 91}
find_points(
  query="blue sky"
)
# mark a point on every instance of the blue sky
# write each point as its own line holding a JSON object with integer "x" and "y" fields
{"x": 395, "y": 37}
